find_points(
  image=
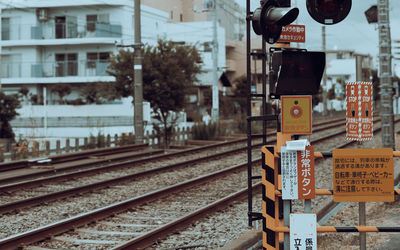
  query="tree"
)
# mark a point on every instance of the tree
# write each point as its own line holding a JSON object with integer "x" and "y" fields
{"x": 8, "y": 106}
{"x": 169, "y": 69}
{"x": 99, "y": 92}
{"x": 62, "y": 90}
{"x": 240, "y": 93}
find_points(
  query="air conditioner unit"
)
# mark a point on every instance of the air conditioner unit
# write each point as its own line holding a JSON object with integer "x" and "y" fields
{"x": 42, "y": 14}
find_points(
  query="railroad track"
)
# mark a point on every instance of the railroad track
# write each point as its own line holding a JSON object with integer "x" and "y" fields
{"x": 56, "y": 159}
{"x": 104, "y": 152}
{"x": 95, "y": 164}
{"x": 21, "y": 199}
{"x": 340, "y": 132}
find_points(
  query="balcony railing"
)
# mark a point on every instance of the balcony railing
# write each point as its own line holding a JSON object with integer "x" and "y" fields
{"x": 82, "y": 68}
{"x": 52, "y": 30}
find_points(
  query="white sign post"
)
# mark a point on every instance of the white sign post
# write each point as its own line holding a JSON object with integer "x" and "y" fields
{"x": 289, "y": 174}
{"x": 303, "y": 231}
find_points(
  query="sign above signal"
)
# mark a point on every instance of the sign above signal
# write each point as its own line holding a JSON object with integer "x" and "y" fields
{"x": 293, "y": 33}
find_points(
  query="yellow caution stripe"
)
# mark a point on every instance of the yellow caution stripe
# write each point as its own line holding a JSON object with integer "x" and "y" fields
{"x": 328, "y": 192}
{"x": 348, "y": 229}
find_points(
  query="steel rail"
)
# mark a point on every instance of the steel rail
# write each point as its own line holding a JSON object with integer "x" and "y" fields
{"x": 101, "y": 184}
{"x": 70, "y": 156}
{"x": 55, "y": 228}
{"x": 161, "y": 232}
{"x": 59, "y": 227}
{"x": 8, "y": 207}
{"x": 79, "y": 166}
{"x": 56, "y": 159}
{"x": 8, "y": 187}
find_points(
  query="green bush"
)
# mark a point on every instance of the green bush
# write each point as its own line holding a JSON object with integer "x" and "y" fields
{"x": 201, "y": 131}
{"x": 8, "y": 106}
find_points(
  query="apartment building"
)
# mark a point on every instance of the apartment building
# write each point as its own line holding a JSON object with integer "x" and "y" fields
{"x": 231, "y": 24}
{"x": 45, "y": 43}
{"x": 230, "y": 15}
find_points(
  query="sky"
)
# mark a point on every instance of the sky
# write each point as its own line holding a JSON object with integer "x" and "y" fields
{"x": 353, "y": 33}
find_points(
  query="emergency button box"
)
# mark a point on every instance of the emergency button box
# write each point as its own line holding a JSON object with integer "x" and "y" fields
{"x": 296, "y": 114}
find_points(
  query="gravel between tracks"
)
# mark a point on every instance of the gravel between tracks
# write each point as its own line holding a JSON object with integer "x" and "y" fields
{"x": 227, "y": 225}
{"x": 29, "y": 218}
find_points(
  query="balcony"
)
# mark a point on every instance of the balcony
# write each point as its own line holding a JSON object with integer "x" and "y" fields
{"x": 75, "y": 71}
{"x": 59, "y": 31}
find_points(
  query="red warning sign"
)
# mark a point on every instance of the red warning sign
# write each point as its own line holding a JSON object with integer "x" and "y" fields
{"x": 293, "y": 33}
{"x": 359, "y": 122}
{"x": 306, "y": 173}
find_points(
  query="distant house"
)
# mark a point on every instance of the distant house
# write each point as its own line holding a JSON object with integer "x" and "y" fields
{"x": 341, "y": 67}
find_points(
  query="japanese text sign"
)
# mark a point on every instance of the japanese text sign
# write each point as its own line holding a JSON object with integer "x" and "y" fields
{"x": 359, "y": 121}
{"x": 303, "y": 231}
{"x": 296, "y": 114}
{"x": 362, "y": 175}
{"x": 306, "y": 173}
{"x": 298, "y": 174}
{"x": 293, "y": 33}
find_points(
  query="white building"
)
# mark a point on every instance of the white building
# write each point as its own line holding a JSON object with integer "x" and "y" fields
{"x": 52, "y": 42}
{"x": 45, "y": 43}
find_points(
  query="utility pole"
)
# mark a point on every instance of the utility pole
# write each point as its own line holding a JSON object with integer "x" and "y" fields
{"x": 138, "y": 79}
{"x": 385, "y": 75}
{"x": 324, "y": 90}
{"x": 215, "y": 89}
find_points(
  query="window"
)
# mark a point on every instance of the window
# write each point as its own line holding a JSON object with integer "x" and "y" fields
{"x": 5, "y": 28}
{"x": 181, "y": 17}
{"x": 67, "y": 64}
{"x": 60, "y": 27}
{"x": 92, "y": 20}
{"x": 94, "y": 57}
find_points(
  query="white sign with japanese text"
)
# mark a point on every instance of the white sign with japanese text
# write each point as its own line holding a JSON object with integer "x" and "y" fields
{"x": 289, "y": 174}
{"x": 303, "y": 232}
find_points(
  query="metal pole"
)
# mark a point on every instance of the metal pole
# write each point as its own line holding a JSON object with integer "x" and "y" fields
{"x": 286, "y": 222}
{"x": 324, "y": 91}
{"x": 248, "y": 109}
{"x": 362, "y": 222}
{"x": 215, "y": 97}
{"x": 138, "y": 78}
{"x": 45, "y": 111}
{"x": 361, "y": 205}
{"x": 385, "y": 75}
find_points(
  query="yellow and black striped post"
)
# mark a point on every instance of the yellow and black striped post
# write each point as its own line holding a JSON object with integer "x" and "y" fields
{"x": 272, "y": 203}
{"x": 270, "y": 238}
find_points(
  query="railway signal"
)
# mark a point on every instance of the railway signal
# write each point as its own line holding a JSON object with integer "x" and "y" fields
{"x": 271, "y": 17}
{"x": 295, "y": 72}
{"x": 328, "y": 11}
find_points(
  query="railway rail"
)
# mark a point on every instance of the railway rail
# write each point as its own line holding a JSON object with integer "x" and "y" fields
{"x": 18, "y": 204}
{"x": 35, "y": 235}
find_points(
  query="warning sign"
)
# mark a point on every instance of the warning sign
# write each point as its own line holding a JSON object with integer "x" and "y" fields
{"x": 359, "y": 122}
{"x": 306, "y": 173}
{"x": 296, "y": 114}
{"x": 298, "y": 174}
{"x": 363, "y": 175}
{"x": 293, "y": 33}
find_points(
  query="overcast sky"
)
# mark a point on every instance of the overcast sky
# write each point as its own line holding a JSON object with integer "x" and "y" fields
{"x": 353, "y": 33}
